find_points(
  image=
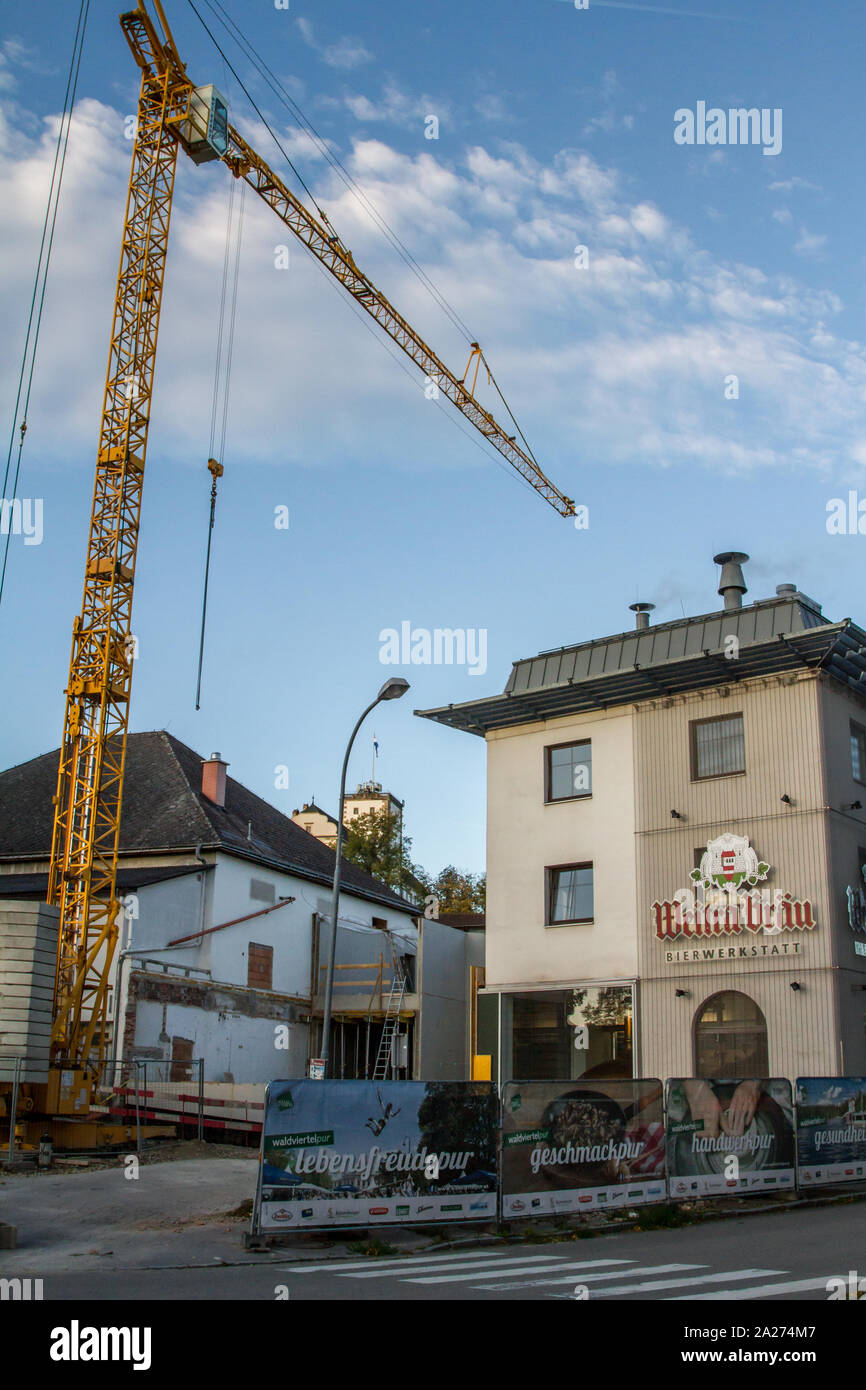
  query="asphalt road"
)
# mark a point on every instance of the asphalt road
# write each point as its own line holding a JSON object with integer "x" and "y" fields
{"x": 778, "y": 1257}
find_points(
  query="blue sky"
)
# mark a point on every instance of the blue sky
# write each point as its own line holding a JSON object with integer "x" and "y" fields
{"x": 555, "y": 130}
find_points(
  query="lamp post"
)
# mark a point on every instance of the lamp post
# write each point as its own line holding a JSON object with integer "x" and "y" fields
{"x": 391, "y": 690}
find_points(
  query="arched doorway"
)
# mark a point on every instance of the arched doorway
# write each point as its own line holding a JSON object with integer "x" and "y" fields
{"x": 730, "y": 1037}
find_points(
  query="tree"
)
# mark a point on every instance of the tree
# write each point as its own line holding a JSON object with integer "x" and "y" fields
{"x": 459, "y": 892}
{"x": 373, "y": 842}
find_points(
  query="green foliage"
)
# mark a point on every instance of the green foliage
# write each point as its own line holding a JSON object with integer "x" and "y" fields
{"x": 373, "y": 842}
{"x": 373, "y": 1247}
{"x": 459, "y": 892}
{"x": 662, "y": 1216}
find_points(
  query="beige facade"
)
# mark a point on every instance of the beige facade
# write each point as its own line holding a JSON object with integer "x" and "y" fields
{"x": 817, "y": 1029}
{"x": 525, "y": 836}
{"x": 317, "y": 823}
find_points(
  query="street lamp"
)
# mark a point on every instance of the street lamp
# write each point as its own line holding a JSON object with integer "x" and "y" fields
{"x": 391, "y": 690}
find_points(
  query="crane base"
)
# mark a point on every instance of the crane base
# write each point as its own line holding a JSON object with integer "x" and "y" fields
{"x": 82, "y": 1134}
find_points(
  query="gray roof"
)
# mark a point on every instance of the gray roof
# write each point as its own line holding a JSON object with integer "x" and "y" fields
{"x": 128, "y": 880}
{"x": 164, "y": 811}
{"x": 773, "y": 635}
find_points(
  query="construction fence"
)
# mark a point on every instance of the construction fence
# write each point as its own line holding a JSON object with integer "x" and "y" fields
{"x": 362, "y": 1153}
{"x": 130, "y": 1098}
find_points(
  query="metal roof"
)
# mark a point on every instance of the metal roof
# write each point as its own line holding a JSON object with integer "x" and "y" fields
{"x": 773, "y": 636}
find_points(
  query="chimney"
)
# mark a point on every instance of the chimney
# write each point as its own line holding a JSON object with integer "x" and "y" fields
{"x": 641, "y": 612}
{"x": 213, "y": 780}
{"x": 732, "y": 585}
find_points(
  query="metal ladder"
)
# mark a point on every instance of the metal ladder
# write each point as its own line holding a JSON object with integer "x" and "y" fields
{"x": 392, "y": 1015}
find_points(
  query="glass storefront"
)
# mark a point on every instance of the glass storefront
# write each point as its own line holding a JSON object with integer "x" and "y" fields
{"x": 567, "y": 1033}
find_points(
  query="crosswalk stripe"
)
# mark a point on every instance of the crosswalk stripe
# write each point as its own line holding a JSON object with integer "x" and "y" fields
{"x": 515, "y": 1270}
{"x": 684, "y": 1283}
{"x": 760, "y": 1290}
{"x": 453, "y": 1266}
{"x": 402, "y": 1260}
{"x": 593, "y": 1278}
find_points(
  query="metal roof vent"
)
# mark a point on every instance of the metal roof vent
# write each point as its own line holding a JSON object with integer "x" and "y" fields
{"x": 641, "y": 612}
{"x": 732, "y": 585}
{"x": 785, "y": 590}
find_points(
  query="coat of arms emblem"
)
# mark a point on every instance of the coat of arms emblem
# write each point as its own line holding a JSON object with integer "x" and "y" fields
{"x": 729, "y": 862}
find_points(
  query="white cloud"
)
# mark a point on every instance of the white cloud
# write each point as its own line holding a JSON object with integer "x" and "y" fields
{"x": 345, "y": 53}
{"x": 396, "y": 107}
{"x": 622, "y": 361}
{"x": 788, "y": 185}
{"x": 810, "y": 243}
{"x": 492, "y": 107}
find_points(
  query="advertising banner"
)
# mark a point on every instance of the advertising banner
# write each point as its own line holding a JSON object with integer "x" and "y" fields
{"x": 372, "y": 1153}
{"x": 831, "y": 1129}
{"x": 576, "y": 1146}
{"x": 726, "y": 1137}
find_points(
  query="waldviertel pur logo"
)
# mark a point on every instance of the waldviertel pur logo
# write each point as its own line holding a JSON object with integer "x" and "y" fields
{"x": 728, "y": 862}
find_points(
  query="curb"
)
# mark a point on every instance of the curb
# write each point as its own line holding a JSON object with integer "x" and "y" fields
{"x": 508, "y": 1235}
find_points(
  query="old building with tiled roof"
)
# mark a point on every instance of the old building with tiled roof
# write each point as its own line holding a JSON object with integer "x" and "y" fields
{"x": 226, "y": 925}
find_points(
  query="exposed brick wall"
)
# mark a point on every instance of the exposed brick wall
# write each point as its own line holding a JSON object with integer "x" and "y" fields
{"x": 215, "y": 998}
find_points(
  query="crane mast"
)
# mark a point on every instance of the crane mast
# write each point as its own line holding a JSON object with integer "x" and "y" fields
{"x": 85, "y": 843}
{"x": 84, "y": 848}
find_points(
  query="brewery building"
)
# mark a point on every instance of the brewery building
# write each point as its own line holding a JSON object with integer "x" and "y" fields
{"x": 676, "y": 823}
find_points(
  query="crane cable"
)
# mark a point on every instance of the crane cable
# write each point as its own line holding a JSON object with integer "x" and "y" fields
{"x": 351, "y": 184}
{"x": 48, "y": 226}
{"x": 221, "y": 385}
{"x": 235, "y": 75}
{"x": 306, "y": 126}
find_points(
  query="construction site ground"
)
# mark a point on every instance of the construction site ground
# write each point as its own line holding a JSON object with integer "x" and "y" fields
{"x": 189, "y": 1206}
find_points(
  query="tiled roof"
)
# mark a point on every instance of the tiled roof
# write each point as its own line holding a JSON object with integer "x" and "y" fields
{"x": 164, "y": 810}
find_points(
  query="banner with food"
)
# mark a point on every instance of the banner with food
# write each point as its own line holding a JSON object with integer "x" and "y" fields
{"x": 371, "y": 1153}
{"x": 726, "y": 1137}
{"x": 575, "y": 1146}
{"x": 831, "y": 1129}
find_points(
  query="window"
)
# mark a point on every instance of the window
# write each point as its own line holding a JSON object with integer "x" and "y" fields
{"x": 569, "y": 894}
{"x": 718, "y": 746}
{"x": 570, "y": 1033}
{"x": 260, "y": 966}
{"x": 730, "y": 1037}
{"x": 858, "y": 752}
{"x": 568, "y": 772}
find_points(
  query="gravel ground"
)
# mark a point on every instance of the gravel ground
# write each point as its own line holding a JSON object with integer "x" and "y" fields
{"x": 177, "y": 1210}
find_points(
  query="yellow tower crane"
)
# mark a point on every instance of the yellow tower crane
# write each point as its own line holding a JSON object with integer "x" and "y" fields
{"x": 172, "y": 113}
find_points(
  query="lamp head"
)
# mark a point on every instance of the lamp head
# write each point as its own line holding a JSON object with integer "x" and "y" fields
{"x": 393, "y": 688}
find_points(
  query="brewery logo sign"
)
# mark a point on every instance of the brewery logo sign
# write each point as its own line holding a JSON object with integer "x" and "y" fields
{"x": 725, "y": 901}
